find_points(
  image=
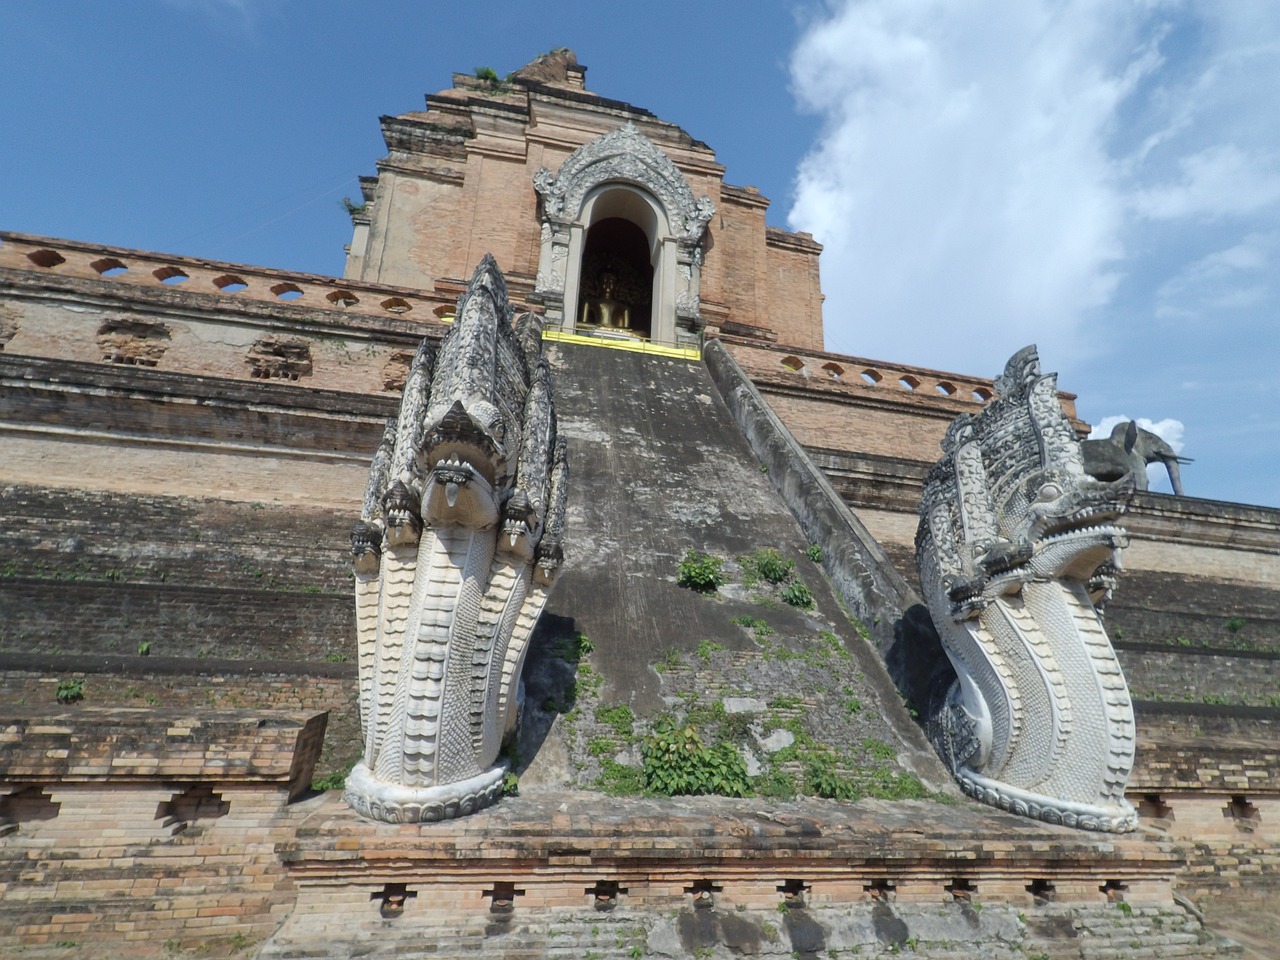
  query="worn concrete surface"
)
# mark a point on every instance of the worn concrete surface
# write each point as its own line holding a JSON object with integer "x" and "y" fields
{"x": 659, "y": 468}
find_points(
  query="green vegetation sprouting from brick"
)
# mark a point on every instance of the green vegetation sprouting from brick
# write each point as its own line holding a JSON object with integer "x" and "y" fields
{"x": 669, "y": 661}
{"x": 759, "y": 628}
{"x": 334, "y": 780}
{"x": 835, "y": 644}
{"x": 700, "y": 572}
{"x": 851, "y": 702}
{"x": 496, "y": 83}
{"x": 678, "y": 763}
{"x": 798, "y": 595}
{"x": 706, "y": 648}
{"x": 69, "y": 691}
{"x": 1235, "y": 624}
{"x": 619, "y": 718}
{"x": 620, "y": 780}
{"x": 767, "y": 564}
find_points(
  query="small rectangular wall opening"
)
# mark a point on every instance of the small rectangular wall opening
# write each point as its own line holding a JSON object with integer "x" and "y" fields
{"x": 1114, "y": 890}
{"x": 191, "y": 806}
{"x": 502, "y": 897}
{"x": 26, "y": 804}
{"x": 881, "y": 888}
{"x": 1042, "y": 890}
{"x": 704, "y": 893}
{"x": 1152, "y": 807}
{"x": 391, "y": 899}
{"x": 793, "y": 893}
{"x": 604, "y": 895}
{"x": 1244, "y": 813}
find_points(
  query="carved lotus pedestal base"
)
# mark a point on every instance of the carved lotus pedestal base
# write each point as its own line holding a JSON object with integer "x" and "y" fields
{"x": 1084, "y": 816}
{"x": 397, "y": 803}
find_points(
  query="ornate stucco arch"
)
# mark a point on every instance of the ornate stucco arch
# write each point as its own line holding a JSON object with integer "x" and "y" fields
{"x": 622, "y": 173}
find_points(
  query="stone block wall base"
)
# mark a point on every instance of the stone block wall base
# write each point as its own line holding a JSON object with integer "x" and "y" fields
{"x": 867, "y": 929}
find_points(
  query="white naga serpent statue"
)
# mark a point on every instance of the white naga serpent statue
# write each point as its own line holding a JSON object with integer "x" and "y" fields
{"x": 1017, "y": 546}
{"x": 457, "y": 547}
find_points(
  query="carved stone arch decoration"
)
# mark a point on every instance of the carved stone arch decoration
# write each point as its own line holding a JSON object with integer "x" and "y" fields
{"x": 623, "y": 160}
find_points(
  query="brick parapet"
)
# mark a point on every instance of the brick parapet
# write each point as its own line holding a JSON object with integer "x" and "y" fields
{"x": 88, "y": 744}
{"x": 31, "y": 258}
{"x": 837, "y": 374}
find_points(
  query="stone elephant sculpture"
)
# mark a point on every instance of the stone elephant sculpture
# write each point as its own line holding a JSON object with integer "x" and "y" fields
{"x": 1127, "y": 452}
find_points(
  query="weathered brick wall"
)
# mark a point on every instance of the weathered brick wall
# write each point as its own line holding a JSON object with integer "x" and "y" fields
{"x": 53, "y": 395}
{"x": 148, "y": 831}
{"x": 735, "y": 273}
{"x": 794, "y": 288}
{"x": 146, "y": 468}
{"x": 60, "y": 617}
{"x": 89, "y": 572}
{"x": 877, "y": 430}
{"x": 1201, "y": 676}
{"x": 204, "y": 689}
{"x": 1175, "y": 610}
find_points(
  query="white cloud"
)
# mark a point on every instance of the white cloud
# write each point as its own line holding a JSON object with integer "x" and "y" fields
{"x": 962, "y": 185}
{"x": 1220, "y": 181}
{"x": 993, "y": 173}
{"x": 1235, "y": 278}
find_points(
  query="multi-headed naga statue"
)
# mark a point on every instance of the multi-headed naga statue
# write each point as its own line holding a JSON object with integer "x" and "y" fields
{"x": 1016, "y": 546}
{"x": 457, "y": 547}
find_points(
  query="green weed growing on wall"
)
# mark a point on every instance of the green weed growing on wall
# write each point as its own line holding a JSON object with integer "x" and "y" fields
{"x": 700, "y": 572}
{"x": 678, "y": 763}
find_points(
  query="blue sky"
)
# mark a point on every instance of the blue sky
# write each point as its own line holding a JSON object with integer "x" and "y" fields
{"x": 1101, "y": 177}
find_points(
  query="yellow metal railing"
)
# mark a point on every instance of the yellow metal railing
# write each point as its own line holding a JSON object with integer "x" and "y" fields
{"x": 632, "y": 344}
{"x": 693, "y": 352}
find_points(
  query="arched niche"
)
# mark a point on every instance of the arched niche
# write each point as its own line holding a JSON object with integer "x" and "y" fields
{"x": 622, "y": 176}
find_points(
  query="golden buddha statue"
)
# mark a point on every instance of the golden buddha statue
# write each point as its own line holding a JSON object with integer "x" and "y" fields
{"x": 605, "y": 311}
